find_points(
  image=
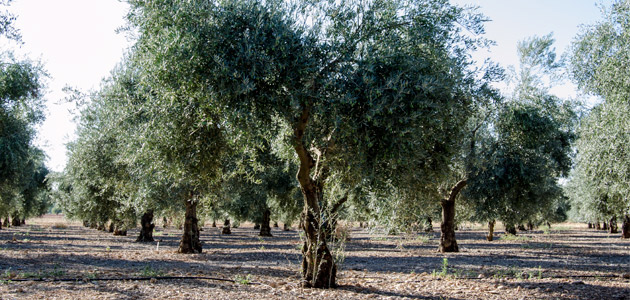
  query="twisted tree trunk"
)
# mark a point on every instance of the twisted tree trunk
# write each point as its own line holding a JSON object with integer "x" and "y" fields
{"x": 16, "y": 221}
{"x": 226, "y": 227}
{"x": 490, "y": 236}
{"x": 265, "y": 228}
{"x": 510, "y": 229}
{"x": 625, "y": 227}
{"x": 448, "y": 243}
{"x": 429, "y": 227}
{"x": 147, "y": 226}
{"x": 190, "y": 242}
{"x": 318, "y": 266}
{"x": 613, "y": 225}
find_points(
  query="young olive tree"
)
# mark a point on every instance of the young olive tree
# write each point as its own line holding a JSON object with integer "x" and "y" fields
{"x": 528, "y": 146}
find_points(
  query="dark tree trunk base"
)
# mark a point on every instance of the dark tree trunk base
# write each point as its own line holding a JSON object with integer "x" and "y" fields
{"x": 226, "y": 227}
{"x": 265, "y": 229}
{"x": 510, "y": 229}
{"x": 16, "y": 222}
{"x": 429, "y": 227}
{"x": 120, "y": 232}
{"x": 490, "y": 236}
{"x": 286, "y": 227}
{"x": 613, "y": 225}
{"x": 448, "y": 243}
{"x": 147, "y": 227}
{"x": 625, "y": 227}
{"x": 190, "y": 242}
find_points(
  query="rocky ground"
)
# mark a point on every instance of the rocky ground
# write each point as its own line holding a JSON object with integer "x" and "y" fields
{"x": 566, "y": 262}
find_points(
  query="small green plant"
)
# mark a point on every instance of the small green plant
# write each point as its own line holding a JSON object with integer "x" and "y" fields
{"x": 444, "y": 270}
{"x": 539, "y": 272}
{"x": 158, "y": 233}
{"x": 56, "y": 272}
{"x": 107, "y": 249}
{"x": 262, "y": 247}
{"x": 8, "y": 273}
{"x": 516, "y": 238}
{"x": 243, "y": 280}
{"x": 31, "y": 275}
{"x": 149, "y": 271}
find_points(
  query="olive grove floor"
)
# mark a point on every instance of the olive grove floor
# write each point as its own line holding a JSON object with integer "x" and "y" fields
{"x": 51, "y": 258}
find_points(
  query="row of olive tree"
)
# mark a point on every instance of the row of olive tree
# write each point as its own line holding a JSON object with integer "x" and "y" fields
{"x": 23, "y": 189}
{"x": 218, "y": 101}
{"x": 599, "y": 185}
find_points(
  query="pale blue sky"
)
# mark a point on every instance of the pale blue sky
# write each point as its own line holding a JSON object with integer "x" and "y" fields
{"x": 76, "y": 40}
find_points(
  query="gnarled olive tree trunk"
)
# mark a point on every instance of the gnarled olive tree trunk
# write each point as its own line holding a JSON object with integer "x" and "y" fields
{"x": 318, "y": 266}
{"x": 510, "y": 228}
{"x": 16, "y": 221}
{"x": 625, "y": 227}
{"x": 265, "y": 228}
{"x": 490, "y": 236}
{"x": 226, "y": 227}
{"x": 612, "y": 225}
{"x": 448, "y": 243}
{"x": 147, "y": 226}
{"x": 190, "y": 242}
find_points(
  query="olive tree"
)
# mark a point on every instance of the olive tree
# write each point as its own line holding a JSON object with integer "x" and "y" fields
{"x": 598, "y": 60}
{"x": 361, "y": 86}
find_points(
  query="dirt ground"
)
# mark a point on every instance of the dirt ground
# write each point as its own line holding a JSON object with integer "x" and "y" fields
{"x": 566, "y": 262}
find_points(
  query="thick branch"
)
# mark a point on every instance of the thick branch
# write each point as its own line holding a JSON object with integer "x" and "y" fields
{"x": 456, "y": 189}
{"x": 339, "y": 203}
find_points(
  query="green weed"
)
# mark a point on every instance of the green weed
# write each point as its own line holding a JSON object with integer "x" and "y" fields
{"x": 149, "y": 271}
{"x": 516, "y": 238}
{"x": 243, "y": 280}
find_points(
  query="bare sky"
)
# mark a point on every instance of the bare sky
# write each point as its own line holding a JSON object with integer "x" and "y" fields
{"x": 78, "y": 43}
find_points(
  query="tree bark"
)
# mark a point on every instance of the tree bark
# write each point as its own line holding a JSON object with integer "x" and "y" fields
{"x": 490, "y": 236}
{"x": 147, "y": 226}
{"x": 625, "y": 227}
{"x": 275, "y": 224}
{"x": 521, "y": 227}
{"x": 226, "y": 227}
{"x": 429, "y": 227}
{"x": 605, "y": 225}
{"x": 597, "y": 226}
{"x": 510, "y": 229}
{"x": 318, "y": 266}
{"x": 286, "y": 227}
{"x": 256, "y": 225}
{"x": 112, "y": 227}
{"x": 23, "y": 222}
{"x": 214, "y": 223}
{"x": 120, "y": 230}
{"x": 448, "y": 243}
{"x": 613, "y": 225}
{"x": 6, "y": 222}
{"x": 190, "y": 242}
{"x": 16, "y": 221}
{"x": 590, "y": 225}
{"x": 265, "y": 228}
